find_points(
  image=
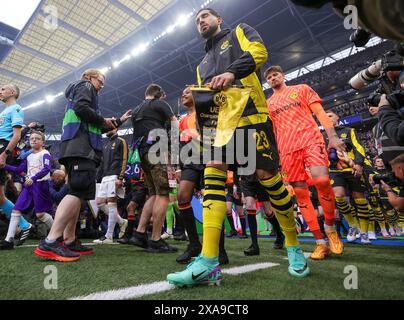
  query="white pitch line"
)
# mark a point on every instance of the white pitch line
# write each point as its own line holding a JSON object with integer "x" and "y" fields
{"x": 157, "y": 287}
{"x": 129, "y": 293}
{"x": 249, "y": 268}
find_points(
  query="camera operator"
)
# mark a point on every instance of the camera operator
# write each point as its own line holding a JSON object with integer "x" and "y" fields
{"x": 386, "y": 147}
{"x": 388, "y": 99}
{"x": 396, "y": 198}
{"x": 391, "y": 117}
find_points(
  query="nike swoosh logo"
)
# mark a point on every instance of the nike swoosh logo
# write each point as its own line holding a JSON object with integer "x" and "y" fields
{"x": 197, "y": 276}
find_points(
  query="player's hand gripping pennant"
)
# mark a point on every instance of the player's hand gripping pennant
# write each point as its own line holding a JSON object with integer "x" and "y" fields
{"x": 219, "y": 111}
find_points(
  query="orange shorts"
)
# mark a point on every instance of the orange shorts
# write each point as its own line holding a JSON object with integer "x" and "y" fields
{"x": 294, "y": 164}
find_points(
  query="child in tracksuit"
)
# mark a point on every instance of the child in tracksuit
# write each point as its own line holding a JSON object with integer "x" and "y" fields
{"x": 35, "y": 192}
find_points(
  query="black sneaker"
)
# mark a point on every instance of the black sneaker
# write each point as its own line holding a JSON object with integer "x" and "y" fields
{"x": 279, "y": 242}
{"x": 180, "y": 236}
{"x": 124, "y": 240}
{"x": 223, "y": 258}
{"x": 6, "y": 245}
{"x": 252, "y": 251}
{"x": 25, "y": 234}
{"x": 242, "y": 236}
{"x": 160, "y": 246}
{"x": 192, "y": 251}
{"x": 76, "y": 246}
{"x": 233, "y": 233}
{"x": 55, "y": 251}
{"x": 139, "y": 239}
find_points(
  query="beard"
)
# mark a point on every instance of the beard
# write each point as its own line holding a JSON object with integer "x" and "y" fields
{"x": 276, "y": 86}
{"x": 209, "y": 32}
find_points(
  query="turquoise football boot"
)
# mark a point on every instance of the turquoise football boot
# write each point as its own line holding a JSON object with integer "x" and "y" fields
{"x": 297, "y": 262}
{"x": 200, "y": 271}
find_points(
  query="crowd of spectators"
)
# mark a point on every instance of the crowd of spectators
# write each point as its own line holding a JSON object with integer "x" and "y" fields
{"x": 369, "y": 143}
{"x": 336, "y": 76}
{"x": 351, "y": 108}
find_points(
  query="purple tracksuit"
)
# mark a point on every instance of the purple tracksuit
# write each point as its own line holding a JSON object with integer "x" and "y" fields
{"x": 38, "y": 167}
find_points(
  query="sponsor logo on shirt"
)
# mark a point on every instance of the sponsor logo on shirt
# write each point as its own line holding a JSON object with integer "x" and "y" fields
{"x": 285, "y": 108}
{"x": 294, "y": 95}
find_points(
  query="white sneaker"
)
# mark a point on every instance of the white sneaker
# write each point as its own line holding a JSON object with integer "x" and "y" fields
{"x": 123, "y": 227}
{"x": 166, "y": 236}
{"x": 399, "y": 231}
{"x": 352, "y": 234}
{"x": 385, "y": 234}
{"x": 392, "y": 231}
{"x": 372, "y": 235}
{"x": 103, "y": 240}
{"x": 365, "y": 238}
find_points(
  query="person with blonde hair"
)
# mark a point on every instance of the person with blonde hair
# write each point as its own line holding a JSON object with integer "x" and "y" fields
{"x": 80, "y": 152}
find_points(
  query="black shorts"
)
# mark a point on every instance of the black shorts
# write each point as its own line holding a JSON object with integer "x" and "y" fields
{"x": 373, "y": 199}
{"x": 386, "y": 205}
{"x": 347, "y": 180}
{"x": 231, "y": 198}
{"x": 264, "y": 151}
{"x": 3, "y": 173}
{"x": 81, "y": 178}
{"x": 3, "y": 177}
{"x": 251, "y": 187}
{"x": 193, "y": 173}
{"x": 139, "y": 194}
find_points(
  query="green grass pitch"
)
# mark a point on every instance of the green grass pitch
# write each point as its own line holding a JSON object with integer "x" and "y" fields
{"x": 380, "y": 274}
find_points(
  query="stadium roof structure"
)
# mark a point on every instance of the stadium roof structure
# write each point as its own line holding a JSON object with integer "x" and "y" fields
{"x": 142, "y": 41}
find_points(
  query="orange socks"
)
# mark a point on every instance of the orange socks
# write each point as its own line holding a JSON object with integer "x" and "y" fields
{"x": 308, "y": 212}
{"x": 327, "y": 198}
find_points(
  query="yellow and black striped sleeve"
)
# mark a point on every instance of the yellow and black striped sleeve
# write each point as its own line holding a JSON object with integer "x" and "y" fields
{"x": 254, "y": 53}
{"x": 124, "y": 154}
{"x": 358, "y": 149}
